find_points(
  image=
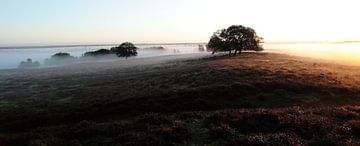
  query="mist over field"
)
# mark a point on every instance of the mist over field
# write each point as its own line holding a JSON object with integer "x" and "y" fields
{"x": 179, "y": 73}
{"x": 336, "y": 52}
{"x": 10, "y": 58}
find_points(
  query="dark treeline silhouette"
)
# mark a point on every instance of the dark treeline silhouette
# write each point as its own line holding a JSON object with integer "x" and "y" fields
{"x": 236, "y": 38}
{"x": 62, "y": 55}
{"x": 126, "y": 50}
{"x": 59, "y": 59}
{"x": 99, "y": 52}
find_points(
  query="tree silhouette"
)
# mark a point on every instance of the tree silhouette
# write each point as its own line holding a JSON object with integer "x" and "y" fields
{"x": 237, "y": 38}
{"x": 29, "y": 64}
{"x": 62, "y": 55}
{"x": 126, "y": 49}
{"x": 60, "y": 59}
{"x": 100, "y": 52}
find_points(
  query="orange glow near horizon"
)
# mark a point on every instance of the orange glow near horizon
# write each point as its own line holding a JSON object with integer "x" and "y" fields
{"x": 344, "y": 53}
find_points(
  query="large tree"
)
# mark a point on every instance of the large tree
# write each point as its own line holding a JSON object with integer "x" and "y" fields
{"x": 236, "y": 38}
{"x": 126, "y": 49}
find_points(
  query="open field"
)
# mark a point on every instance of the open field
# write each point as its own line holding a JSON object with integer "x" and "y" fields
{"x": 255, "y": 98}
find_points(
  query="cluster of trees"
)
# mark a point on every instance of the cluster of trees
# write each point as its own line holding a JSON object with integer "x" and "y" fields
{"x": 60, "y": 58}
{"x": 98, "y": 52}
{"x": 62, "y": 55}
{"x": 126, "y": 50}
{"x": 236, "y": 38}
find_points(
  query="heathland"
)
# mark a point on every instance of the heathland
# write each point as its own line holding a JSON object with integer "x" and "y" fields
{"x": 251, "y": 99}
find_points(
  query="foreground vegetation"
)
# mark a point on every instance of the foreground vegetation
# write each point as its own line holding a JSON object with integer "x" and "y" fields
{"x": 256, "y": 98}
{"x": 288, "y": 126}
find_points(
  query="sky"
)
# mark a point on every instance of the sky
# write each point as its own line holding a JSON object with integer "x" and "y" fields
{"x": 30, "y": 22}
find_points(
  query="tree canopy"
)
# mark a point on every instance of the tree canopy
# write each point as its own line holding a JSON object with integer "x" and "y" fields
{"x": 126, "y": 49}
{"x": 59, "y": 59}
{"x": 62, "y": 55}
{"x": 100, "y": 52}
{"x": 235, "y": 38}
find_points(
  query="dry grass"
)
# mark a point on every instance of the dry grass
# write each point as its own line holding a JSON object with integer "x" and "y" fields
{"x": 284, "y": 126}
{"x": 271, "y": 99}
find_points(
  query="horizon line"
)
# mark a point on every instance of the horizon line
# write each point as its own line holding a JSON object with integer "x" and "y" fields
{"x": 177, "y": 43}
{"x": 86, "y": 45}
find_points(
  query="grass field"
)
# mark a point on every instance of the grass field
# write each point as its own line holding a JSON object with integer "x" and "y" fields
{"x": 252, "y": 99}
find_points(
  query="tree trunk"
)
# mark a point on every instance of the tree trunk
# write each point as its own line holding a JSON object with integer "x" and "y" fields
{"x": 240, "y": 52}
{"x": 230, "y": 53}
{"x": 235, "y": 52}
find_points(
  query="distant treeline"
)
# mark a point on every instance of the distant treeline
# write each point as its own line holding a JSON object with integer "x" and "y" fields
{"x": 125, "y": 50}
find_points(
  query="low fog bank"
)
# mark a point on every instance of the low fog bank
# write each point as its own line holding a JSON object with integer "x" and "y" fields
{"x": 50, "y": 57}
{"x": 99, "y": 65}
{"x": 330, "y": 52}
{"x": 64, "y": 59}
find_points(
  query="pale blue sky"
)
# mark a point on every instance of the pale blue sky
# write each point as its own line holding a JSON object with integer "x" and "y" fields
{"x": 159, "y": 21}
